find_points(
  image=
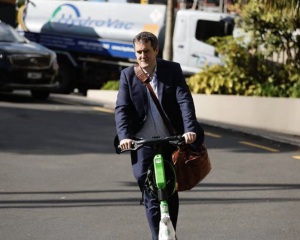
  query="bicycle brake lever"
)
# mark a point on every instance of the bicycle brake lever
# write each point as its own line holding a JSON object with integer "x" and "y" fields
{"x": 134, "y": 146}
{"x": 179, "y": 141}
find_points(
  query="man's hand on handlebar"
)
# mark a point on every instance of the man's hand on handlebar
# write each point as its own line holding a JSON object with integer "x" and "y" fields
{"x": 130, "y": 144}
{"x": 190, "y": 137}
{"x": 126, "y": 144}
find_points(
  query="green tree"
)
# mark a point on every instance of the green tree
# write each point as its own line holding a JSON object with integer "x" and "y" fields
{"x": 249, "y": 64}
{"x": 290, "y": 7}
{"x": 284, "y": 4}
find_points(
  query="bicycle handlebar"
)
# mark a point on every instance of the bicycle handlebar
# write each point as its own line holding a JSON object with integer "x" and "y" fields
{"x": 175, "y": 140}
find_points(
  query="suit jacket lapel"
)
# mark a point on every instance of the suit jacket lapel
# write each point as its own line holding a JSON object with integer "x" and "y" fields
{"x": 160, "y": 76}
{"x": 142, "y": 91}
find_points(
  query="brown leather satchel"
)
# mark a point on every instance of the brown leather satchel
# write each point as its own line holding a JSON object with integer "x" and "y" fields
{"x": 191, "y": 165}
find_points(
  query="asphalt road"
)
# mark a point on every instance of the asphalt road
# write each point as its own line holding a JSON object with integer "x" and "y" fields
{"x": 60, "y": 179}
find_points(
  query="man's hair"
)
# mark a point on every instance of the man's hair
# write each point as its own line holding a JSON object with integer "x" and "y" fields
{"x": 145, "y": 37}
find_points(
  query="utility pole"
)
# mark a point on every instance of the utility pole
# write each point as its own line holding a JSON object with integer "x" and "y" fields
{"x": 168, "y": 45}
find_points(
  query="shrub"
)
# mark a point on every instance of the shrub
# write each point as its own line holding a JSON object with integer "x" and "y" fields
{"x": 111, "y": 85}
{"x": 248, "y": 69}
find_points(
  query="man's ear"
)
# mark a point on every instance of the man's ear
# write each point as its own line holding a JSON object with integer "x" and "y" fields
{"x": 157, "y": 50}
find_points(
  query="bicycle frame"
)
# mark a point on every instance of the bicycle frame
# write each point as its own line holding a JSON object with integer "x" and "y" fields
{"x": 166, "y": 229}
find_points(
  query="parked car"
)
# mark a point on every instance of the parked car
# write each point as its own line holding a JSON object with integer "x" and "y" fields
{"x": 26, "y": 65}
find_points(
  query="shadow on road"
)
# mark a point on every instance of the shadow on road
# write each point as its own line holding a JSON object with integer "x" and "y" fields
{"x": 56, "y": 131}
{"x": 82, "y": 198}
{"x": 28, "y": 126}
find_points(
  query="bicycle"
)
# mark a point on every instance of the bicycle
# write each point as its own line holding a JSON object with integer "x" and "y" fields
{"x": 166, "y": 229}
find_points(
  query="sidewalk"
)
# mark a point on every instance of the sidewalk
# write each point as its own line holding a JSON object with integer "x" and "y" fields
{"x": 274, "y": 136}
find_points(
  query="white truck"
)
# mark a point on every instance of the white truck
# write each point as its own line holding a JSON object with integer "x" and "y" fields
{"x": 93, "y": 40}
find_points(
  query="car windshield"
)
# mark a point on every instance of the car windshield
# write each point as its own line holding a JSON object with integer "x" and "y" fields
{"x": 8, "y": 34}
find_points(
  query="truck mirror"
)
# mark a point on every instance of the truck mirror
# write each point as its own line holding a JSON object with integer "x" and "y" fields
{"x": 228, "y": 26}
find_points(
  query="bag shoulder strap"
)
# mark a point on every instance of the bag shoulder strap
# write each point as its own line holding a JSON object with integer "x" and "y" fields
{"x": 145, "y": 79}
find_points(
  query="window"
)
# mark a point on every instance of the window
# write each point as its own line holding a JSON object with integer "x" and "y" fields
{"x": 207, "y": 29}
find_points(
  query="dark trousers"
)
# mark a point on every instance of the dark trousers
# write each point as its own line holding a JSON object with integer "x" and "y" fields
{"x": 8, "y": 14}
{"x": 141, "y": 160}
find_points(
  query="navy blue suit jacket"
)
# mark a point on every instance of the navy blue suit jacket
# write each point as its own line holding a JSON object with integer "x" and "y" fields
{"x": 173, "y": 94}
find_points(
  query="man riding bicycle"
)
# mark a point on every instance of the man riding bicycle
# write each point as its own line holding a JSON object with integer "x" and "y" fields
{"x": 137, "y": 117}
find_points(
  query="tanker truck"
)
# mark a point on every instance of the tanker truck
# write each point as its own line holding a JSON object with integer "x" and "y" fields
{"x": 93, "y": 40}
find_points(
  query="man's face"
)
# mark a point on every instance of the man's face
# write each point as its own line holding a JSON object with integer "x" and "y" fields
{"x": 145, "y": 55}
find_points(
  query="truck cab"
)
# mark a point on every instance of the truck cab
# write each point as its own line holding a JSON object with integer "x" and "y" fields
{"x": 192, "y": 29}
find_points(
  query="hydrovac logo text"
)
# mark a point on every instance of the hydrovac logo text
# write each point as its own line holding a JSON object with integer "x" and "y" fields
{"x": 68, "y": 14}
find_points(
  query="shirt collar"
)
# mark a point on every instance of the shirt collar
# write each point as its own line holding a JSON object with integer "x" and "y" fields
{"x": 154, "y": 72}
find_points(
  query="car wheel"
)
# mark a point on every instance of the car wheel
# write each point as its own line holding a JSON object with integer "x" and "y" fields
{"x": 40, "y": 95}
{"x": 66, "y": 80}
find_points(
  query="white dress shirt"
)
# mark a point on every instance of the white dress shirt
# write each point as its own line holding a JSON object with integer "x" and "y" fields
{"x": 154, "y": 125}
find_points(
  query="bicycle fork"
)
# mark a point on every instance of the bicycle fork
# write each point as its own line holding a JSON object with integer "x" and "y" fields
{"x": 166, "y": 229}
